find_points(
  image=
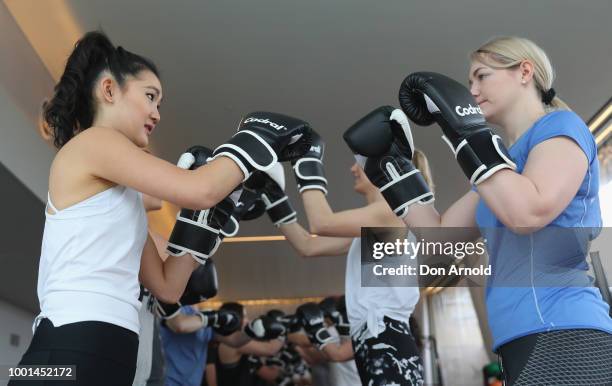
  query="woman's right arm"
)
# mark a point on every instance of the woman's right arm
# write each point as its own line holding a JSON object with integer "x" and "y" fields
{"x": 308, "y": 246}
{"x": 115, "y": 158}
{"x": 347, "y": 223}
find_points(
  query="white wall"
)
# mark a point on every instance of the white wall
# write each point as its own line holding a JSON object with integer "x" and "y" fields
{"x": 458, "y": 337}
{"x": 24, "y": 83}
{"x": 13, "y": 320}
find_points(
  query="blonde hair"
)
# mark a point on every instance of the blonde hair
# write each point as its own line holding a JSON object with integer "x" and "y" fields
{"x": 509, "y": 51}
{"x": 420, "y": 162}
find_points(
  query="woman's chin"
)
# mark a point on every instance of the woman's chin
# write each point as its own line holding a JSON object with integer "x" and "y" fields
{"x": 142, "y": 142}
{"x": 488, "y": 115}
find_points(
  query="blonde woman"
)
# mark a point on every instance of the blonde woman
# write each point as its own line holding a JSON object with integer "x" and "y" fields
{"x": 549, "y": 325}
{"x": 384, "y": 348}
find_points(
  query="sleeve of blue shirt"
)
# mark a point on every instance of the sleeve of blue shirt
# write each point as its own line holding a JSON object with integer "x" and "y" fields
{"x": 565, "y": 123}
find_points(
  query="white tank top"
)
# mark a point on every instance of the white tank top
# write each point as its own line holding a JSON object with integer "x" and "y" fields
{"x": 367, "y": 306}
{"x": 90, "y": 258}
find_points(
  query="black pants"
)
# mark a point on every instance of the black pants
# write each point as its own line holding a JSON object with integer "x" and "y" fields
{"x": 390, "y": 359}
{"x": 563, "y": 357}
{"x": 104, "y": 354}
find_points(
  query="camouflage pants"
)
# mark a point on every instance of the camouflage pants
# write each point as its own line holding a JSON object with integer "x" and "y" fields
{"x": 391, "y": 359}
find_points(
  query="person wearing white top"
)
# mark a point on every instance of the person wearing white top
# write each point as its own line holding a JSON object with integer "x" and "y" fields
{"x": 376, "y": 315}
{"x": 342, "y": 373}
{"x": 95, "y": 245}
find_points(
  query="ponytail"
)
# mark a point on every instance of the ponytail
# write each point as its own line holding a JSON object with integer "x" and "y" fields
{"x": 421, "y": 163}
{"x": 509, "y": 51}
{"x": 73, "y": 106}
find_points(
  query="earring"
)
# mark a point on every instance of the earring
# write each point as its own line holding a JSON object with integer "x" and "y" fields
{"x": 523, "y": 81}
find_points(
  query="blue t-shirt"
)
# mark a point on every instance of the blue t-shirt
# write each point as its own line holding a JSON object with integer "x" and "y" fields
{"x": 185, "y": 354}
{"x": 540, "y": 281}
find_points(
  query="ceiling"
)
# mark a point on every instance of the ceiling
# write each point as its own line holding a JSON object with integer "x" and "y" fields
{"x": 328, "y": 62}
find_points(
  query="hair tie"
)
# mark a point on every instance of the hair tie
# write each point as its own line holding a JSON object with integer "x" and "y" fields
{"x": 548, "y": 96}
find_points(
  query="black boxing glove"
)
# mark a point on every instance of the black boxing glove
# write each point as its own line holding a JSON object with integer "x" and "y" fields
{"x": 198, "y": 232}
{"x": 223, "y": 322}
{"x": 203, "y": 284}
{"x": 271, "y": 186}
{"x": 265, "y": 328}
{"x": 428, "y": 97}
{"x": 342, "y": 322}
{"x": 250, "y": 206}
{"x": 292, "y": 323}
{"x": 383, "y": 146}
{"x": 335, "y": 310}
{"x": 328, "y": 306}
{"x": 263, "y": 138}
{"x": 313, "y": 322}
{"x": 275, "y": 314}
{"x": 308, "y": 169}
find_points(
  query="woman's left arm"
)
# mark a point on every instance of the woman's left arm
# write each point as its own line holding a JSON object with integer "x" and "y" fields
{"x": 529, "y": 201}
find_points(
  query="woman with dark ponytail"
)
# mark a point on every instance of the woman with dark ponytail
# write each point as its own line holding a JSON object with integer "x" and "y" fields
{"x": 95, "y": 246}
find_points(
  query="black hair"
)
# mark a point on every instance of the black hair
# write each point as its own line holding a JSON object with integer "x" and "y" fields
{"x": 72, "y": 107}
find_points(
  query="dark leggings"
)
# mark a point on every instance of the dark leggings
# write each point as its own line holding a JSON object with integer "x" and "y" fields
{"x": 563, "y": 357}
{"x": 390, "y": 359}
{"x": 104, "y": 354}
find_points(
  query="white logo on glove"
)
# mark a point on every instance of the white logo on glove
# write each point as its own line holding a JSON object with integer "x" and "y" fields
{"x": 470, "y": 110}
{"x": 316, "y": 320}
{"x": 267, "y": 121}
{"x": 316, "y": 149}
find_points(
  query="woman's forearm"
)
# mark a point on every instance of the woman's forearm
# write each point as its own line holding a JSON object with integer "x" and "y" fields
{"x": 308, "y": 246}
{"x": 318, "y": 211}
{"x": 516, "y": 202}
{"x": 165, "y": 279}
